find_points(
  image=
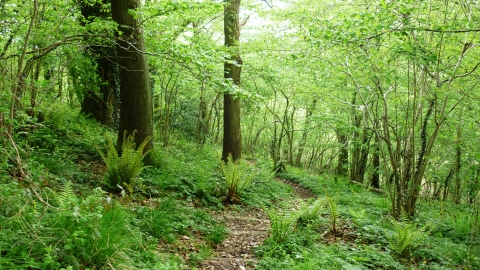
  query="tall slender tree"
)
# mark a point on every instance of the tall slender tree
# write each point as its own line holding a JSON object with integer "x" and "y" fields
{"x": 136, "y": 107}
{"x": 232, "y": 136}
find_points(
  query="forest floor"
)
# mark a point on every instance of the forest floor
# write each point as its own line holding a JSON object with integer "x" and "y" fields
{"x": 248, "y": 228}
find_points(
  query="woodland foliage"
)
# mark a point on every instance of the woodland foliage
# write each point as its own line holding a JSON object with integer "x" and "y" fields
{"x": 365, "y": 95}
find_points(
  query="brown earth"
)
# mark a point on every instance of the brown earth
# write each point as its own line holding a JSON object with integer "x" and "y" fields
{"x": 301, "y": 192}
{"x": 247, "y": 230}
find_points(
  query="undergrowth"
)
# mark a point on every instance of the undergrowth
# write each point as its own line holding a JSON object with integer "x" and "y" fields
{"x": 171, "y": 219}
{"x": 56, "y": 216}
{"x": 367, "y": 237}
{"x": 67, "y": 231}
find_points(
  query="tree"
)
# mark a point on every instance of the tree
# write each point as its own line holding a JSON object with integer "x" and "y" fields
{"x": 136, "y": 107}
{"x": 100, "y": 102}
{"x": 232, "y": 136}
{"x": 412, "y": 65}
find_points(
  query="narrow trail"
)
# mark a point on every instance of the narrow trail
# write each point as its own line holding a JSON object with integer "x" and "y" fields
{"x": 247, "y": 230}
{"x": 301, "y": 192}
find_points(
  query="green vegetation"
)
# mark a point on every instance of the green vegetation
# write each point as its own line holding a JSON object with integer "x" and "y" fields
{"x": 113, "y": 115}
{"x": 58, "y": 217}
{"x": 366, "y": 235}
{"x": 124, "y": 168}
{"x": 236, "y": 178}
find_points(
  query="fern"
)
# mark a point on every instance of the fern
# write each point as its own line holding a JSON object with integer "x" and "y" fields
{"x": 282, "y": 224}
{"x": 407, "y": 237}
{"x": 236, "y": 178}
{"x": 310, "y": 212}
{"x": 332, "y": 206}
{"x": 123, "y": 170}
{"x": 66, "y": 198}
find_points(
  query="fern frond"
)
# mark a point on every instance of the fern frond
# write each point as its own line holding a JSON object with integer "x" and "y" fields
{"x": 66, "y": 198}
{"x": 282, "y": 224}
{"x": 312, "y": 211}
{"x": 124, "y": 169}
{"x": 236, "y": 177}
{"x": 332, "y": 206}
{"x": 407, "y": 236}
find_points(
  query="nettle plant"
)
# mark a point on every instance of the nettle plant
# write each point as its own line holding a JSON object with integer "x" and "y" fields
{"x": 123, "y": 169}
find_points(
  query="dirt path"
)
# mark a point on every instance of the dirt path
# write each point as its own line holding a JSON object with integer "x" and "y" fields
{"x": 301, "y": 192}
{"x": 248, "y": 229}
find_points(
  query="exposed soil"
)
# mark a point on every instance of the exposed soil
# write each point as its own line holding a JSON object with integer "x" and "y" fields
{"x": 344, "y": 233}
{"x": 301, "y": 192}
{"x": 247, "y": 230}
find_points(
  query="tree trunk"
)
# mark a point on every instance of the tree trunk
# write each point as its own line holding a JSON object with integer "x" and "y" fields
{"x": 343, "y": 154}
{"x": 136, "y": 107}
{"x": 201, "y": 132}
{"x": 306, "y": 129}
{"x": 20, "y": 72}
{"x": 290, "y": 133}
{"x": 232, "y": 136}
{"x": 33, "y": 90}
{"x": 446, "y": 185}
{"x": 458, "y": 183}
{"x": 101, "y": 104}
{"x": 474, "y": 186}
{"x": 425, "y": 147}
{"x": 375, "y": 183}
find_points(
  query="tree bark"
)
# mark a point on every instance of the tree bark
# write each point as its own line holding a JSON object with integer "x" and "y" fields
{"x": 101, "y": 104}
{"x": 136, "y": 107}
{"x": 306, "y": 129}
{"x": 343, "y": 153}
{"x": 232, "y": 136}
